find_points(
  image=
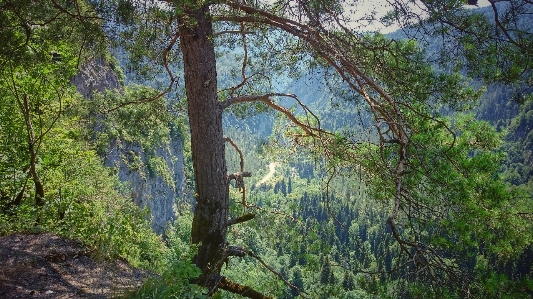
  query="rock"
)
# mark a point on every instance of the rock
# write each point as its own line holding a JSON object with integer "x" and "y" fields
{"x": 96, "y": 76}
{"x": 147, "y": 190}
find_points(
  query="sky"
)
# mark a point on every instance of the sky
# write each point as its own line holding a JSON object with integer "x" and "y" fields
{"x": 382, "y": 8}
{"x": 482, "y": 3}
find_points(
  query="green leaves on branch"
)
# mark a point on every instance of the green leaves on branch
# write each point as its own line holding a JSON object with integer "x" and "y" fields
{"x": 451, "y": 183}
{"x": 135, "y": 117}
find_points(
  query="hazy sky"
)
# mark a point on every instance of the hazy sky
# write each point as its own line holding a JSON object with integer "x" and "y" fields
{"x": 381, "y": 7}
{"x": 482, "y": 3}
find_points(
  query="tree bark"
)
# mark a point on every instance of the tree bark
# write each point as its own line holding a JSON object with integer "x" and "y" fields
{"x": 207, "y": 144}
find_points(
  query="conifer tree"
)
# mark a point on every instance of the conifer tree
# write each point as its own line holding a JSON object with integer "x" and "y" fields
{"x": 348, "y": 283}
{"x": 326, "y": 274}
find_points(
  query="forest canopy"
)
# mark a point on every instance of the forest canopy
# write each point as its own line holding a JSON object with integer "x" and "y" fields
{"x": 389, "y": 178}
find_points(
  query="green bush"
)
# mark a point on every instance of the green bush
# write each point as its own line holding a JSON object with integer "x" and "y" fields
{"x": 175, "y": 281}
{"x": 83, "y": 201}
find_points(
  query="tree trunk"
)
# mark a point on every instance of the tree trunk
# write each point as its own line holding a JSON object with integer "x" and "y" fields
{"x": 39, "y": 190}
{"x": 207, "y": 144}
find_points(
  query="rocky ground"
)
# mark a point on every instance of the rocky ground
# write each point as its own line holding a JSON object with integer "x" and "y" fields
{"x": 47, "y": 266}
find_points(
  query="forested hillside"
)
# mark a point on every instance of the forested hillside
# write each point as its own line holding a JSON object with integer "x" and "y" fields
{"x": 275, "y": 149}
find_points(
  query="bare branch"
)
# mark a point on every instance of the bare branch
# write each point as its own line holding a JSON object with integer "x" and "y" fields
{"x": 241, "y": 219}
{"x": 164, "y": 92}
{"x": 266, "y": 98}
{"x": 39, "y": 190}
{"x": 274, "y": 212}
{"x": 238, "y": 177}
{"x": 227, "y": 139}
{"x": 78, "y": 15}
{"x": 237, "y": 174}
{"x": 244, "y": 291}
{"x": 232, "y": 32}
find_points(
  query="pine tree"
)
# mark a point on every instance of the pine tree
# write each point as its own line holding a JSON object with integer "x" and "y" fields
{"x": 348, "y": 283}
{"x": 283, "y": 187}
{"x": 326, "y": 275}
{"x": 297, "y": 281}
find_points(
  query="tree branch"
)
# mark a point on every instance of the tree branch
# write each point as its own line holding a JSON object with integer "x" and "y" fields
{"x": 327, "y": 45}
{"x": 244, "y": 291}
{"x": 164, "y": 92}
{"x": 241, "y": 252}
{"x": 245, "y": 174}
{"x": 232, "y": 32}
{"x": 266, "y": 98}
{"x": 39, "y": 190}
{"x": 241, "y": 219}
{"x": 227, "y": 139}
{"x": 238, "y": 177}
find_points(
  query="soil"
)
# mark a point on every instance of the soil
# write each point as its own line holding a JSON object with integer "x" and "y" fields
{"x": 47, "y": 266}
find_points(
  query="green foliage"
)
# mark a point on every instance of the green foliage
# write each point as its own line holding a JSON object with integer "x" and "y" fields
{"x": 177, "y": 272}
{"x": 182, "y": 273}
{"x": 175, "y": 282}
{"x": 453, "y": 172}
{"x": 147, "y": 124}
{"x": 82, "y": 199}
{"x": 142, "y": 29}
{"x": 326, "y": 275}
{"x": 492, "y": 43}
{"x": 519, "y": 146}
{"x": 348, "y": 283}
{"x": 83, "y": 202}
{"x": 452, "y": 198}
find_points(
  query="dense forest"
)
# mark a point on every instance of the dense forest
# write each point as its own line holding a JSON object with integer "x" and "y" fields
{"x": 276, "y": 149}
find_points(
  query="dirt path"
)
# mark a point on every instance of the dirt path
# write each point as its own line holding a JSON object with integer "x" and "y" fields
{"x": 272, "y": 170}
{"x": 47, "y": 266}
